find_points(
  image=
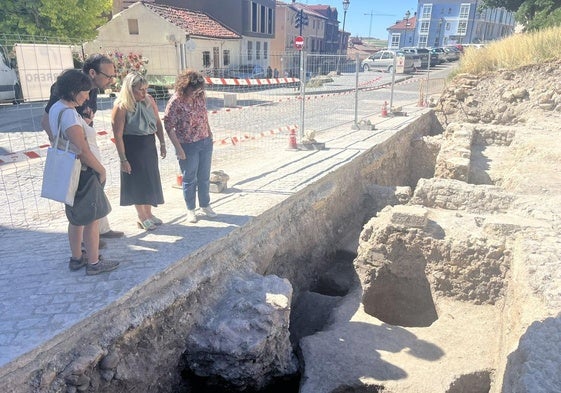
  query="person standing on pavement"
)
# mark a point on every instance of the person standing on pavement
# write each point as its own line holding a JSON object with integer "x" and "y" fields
{"x": 73, "y": 88}
{"x": 186, "y": 122}
{"x": 101, "y": 70}
{"x": 135, "y": 121}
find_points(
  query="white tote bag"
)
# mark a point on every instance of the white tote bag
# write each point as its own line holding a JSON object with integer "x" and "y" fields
{"x": 62, "y": 172}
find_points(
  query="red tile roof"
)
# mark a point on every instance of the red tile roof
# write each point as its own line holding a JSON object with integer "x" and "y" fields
{"x": 404, "y": 24}
{"x": 195, "y": 23}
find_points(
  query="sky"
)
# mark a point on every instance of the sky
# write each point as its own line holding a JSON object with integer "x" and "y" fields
{"x": 385, "y": 14}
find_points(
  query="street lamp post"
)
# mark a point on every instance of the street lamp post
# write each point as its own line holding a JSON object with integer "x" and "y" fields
{"x": 407, "y": 15}
{"x": 346, "y": 4}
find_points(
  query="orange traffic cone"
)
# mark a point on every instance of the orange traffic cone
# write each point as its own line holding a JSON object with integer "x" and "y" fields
{"x": 292, "y": 144}
{"x": 385, "y": 109}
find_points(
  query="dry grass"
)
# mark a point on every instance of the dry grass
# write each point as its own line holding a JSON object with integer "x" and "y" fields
{"x": 513, "y": 52}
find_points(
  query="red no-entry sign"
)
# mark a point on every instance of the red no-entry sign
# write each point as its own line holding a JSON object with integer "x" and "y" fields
{"x": 299, "y": 42}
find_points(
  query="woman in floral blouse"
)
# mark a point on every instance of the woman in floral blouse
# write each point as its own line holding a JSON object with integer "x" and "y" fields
{"x": 186, "y": 122}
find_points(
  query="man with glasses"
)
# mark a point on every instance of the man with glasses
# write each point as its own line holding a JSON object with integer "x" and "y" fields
{"x": 101, "y": 70}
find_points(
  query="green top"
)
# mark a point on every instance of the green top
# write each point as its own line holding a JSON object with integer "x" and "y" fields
{"x": 142, "y": 121}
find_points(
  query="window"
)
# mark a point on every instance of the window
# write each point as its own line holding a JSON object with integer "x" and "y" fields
{"x": 265, "y": 50}
{"x": 462, "y": 27}
{"x": 262, "y": 20}
{"x": 249, "y": 50}
{"x": 226, "y": 57}
{"x": 464, "y": 11}
{"x": 206, "y": 58}
{"x": 424, "y": 27}
{"x": 427, "y": 11}
{"x": 133, "y": 26}
{"x": 395, "y": 40}
{"x": 258, "y": 50}
{"x": 270, "y": 22}
{"x": 254, "y": 17}
{"x": 423, "y": 40}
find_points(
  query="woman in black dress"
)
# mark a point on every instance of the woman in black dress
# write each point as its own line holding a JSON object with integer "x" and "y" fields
{"x": 135, "y": 123}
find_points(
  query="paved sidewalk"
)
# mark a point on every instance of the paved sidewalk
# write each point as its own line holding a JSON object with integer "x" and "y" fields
{"x": 40, "y": 297}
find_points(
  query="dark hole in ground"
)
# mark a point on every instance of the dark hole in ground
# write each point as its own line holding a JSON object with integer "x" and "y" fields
{"x": 477, "y": 382}
{"x": 311, "y": 309}
{"x": 360, "y": 389}
{"x": 401, "y": 301}
{"x": 196, "y": 384}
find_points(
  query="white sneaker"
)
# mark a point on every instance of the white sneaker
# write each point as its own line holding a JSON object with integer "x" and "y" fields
{"x": 207, "y": 211}
{"x": 191, "y": 216}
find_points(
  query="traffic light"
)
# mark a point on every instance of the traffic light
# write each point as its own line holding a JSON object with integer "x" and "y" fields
{"x": 301, "y": 19}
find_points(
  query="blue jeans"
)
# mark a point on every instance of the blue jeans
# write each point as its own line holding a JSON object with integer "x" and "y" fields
{"x": 196, "y": 172}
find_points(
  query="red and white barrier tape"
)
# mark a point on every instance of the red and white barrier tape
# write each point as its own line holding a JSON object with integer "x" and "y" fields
{"x": 40, "y": 151}
{"x": 249, "y": 82}
{"x": 234, "y": 140}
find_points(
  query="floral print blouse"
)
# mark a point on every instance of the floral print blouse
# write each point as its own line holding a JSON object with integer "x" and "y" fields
{"x": 188, "y": 118}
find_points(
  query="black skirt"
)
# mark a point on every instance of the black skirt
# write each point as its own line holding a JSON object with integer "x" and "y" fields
{"x": 143, "y": 186}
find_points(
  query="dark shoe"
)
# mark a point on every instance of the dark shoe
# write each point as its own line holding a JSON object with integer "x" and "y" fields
{"x": 77, "y": 264}
{"x": 111, "y": 234}
{"x": 102, "y": 266}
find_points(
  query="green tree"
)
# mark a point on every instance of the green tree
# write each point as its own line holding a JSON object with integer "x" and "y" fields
{"x": 68, "y": 19}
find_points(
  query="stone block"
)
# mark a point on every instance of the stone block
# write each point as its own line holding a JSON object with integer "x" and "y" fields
{"x": 230, "y": 100}
{"x": 218, "y": 187}
{"x": 409, "y": 216}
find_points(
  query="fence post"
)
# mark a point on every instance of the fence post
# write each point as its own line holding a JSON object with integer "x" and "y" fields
{"x": 302, "y": 94}
{"x": 357, "y": 68}
{"x": 393, "y": 82}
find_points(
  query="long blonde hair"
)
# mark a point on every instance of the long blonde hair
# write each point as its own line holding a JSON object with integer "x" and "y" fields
{"x": 126, "y": 99}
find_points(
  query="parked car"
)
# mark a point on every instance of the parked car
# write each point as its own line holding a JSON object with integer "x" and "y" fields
{"x": 246, "y": 71}
{"x": 384, "y": 61}
{"x": 424, "y": 55}
{"x": 159, "y": 92}
{"x": 440, "y": 54}
{"x": 452, "y": 52}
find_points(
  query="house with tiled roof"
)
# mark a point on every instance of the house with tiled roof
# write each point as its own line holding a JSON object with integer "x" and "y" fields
{"x": 402, "y": 33}
{"x": 253, "y": 20}
{"x": 171, "y": 38}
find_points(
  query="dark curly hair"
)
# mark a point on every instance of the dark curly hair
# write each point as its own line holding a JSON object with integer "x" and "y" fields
{"x": 188, "y": 81}
{"x": 70, "y": 82}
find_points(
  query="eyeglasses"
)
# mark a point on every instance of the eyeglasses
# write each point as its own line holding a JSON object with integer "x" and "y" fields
{"x": 107, "y": 76}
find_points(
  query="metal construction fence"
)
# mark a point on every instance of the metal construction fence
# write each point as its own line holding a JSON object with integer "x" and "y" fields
{"x": 251, "y": 107}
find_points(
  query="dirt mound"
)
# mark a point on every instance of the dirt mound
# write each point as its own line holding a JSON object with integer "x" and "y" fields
{"x": 502, "y": 97}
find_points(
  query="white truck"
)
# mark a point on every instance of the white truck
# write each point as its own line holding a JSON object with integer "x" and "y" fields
{"x": 10, "y": 88}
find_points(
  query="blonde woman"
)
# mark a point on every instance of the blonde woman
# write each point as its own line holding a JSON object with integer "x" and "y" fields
{"x": 136, "y": 123}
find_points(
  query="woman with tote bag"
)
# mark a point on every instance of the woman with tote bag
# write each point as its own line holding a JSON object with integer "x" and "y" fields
{"x": 90, "y": 203}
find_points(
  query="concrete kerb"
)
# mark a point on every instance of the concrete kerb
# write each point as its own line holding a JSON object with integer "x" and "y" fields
{"x": 187, "y": 288}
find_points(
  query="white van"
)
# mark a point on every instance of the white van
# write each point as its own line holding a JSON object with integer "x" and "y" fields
{"x": 10, "y": 88}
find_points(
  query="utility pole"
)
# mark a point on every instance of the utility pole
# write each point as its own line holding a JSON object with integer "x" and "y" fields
{"x": 372, "y": 14}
